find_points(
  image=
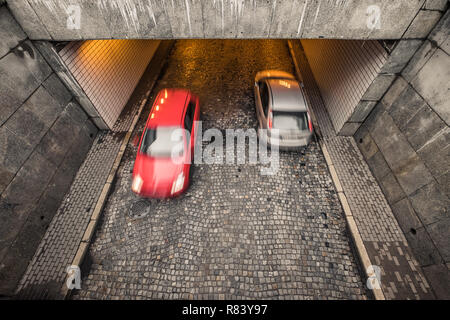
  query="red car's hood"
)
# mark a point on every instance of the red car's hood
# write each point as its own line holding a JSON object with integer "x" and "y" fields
{"x": 158, "y": 174}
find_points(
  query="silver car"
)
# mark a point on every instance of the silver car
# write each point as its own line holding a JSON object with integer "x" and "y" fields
{"x": 281, "y": 104}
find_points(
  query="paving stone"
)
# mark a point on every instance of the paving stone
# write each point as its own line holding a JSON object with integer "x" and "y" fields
{"x": 28, "y": 19}
{"x": 34, "y": 118}
{"x": 397, "y": 87}
{"x": 433, "y": 76}
{"x": 220, "y": 251}
{"x": 398, "y": 282}
{"x": 44, "y": 277}
{"x": 28, "y": 184}
{"x": 349, "y": 128}
{"x": 440, "y": 34}
{"x": 439, "y": 277}
{"x": 76, "y": 112}
{"x": 422, "y": 24}
{"x": 378, "y": 87}
{"x": 423, "y": 248}
{"x": 399, "y": 57}
{"x": 405, "y": 107}
{"x": 378, "y": 166}
{"x": 10, "y": 32}
{"x": 430, "y": 203}
{"x": 435, "y": 153}
{"x": 17, "y": 84}
{"x": 382, "y": 235}
{"x": 406, "y": 216}
{"x": 436, "y": 4}
{"x": 365, "y": 143}
{"x": 13, "y": 153}
{"x": 421, "y": 129}
{"x": 374, "y": 116}
{"x": 362, "y": 110}
{"x": 5, "y": 178}
{"x": 419, "y": 59}
{"x": 391, "y": 188}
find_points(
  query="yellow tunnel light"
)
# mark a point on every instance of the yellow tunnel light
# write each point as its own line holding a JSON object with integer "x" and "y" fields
{"x": 285, "y": 84}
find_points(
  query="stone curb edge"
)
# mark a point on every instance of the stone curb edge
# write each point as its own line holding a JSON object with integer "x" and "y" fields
{"x": 351, "y": 224}
{"x": 95, "y": 217}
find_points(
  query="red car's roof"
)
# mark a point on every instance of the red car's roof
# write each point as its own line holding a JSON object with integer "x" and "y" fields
{"x": 168, "y": 108}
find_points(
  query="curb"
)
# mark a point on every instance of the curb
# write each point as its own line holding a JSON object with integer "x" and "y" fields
{"x": 351, "y": 224}
{"x": 95, "y": 217}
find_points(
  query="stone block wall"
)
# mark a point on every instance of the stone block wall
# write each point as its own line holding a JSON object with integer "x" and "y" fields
{"x": 44, "y": 137}
{"x": 345, "y": 72}
{"x": 406, "y": 142}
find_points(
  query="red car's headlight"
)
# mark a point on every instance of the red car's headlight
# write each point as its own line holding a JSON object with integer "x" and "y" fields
{"x": 137, "y": 184}
{"x": 178, "y": 184}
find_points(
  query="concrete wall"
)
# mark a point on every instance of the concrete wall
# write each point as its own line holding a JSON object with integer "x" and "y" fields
{"x": 406, "y": 142}
{"x": 155, "y": 19}
{"x": 354, "y": 75}
{"x": 344, "y": 71}
{"x": 44, "y": 137}
{"x": 108, "y": 71}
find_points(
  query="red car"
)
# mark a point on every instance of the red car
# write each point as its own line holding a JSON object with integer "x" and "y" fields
{"x": 165, "y": 153}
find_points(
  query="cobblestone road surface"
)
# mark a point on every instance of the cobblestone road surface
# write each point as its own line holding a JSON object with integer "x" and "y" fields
{"x": 235, "y": 234}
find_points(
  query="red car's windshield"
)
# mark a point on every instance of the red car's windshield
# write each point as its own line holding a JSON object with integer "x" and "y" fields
{"x": 163, "y": 142}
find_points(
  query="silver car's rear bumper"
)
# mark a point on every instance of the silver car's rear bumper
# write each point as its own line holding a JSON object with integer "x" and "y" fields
{"x": 285, "y": 143}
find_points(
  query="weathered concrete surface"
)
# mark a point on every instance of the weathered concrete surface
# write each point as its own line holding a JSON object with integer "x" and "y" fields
{"x": 151, "y": 19}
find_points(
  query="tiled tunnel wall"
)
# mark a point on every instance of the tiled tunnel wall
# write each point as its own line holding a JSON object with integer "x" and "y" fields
{"x": 344, "y": 70}
{"x": 44, "y": 137}
{"x": 108, "y": 71}
{"x": 406, "y": 143}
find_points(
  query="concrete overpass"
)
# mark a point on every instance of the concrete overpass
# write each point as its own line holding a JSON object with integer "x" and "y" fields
{"x": 175, "y": 19}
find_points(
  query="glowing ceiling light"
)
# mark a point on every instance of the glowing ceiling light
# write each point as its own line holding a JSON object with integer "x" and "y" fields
{"x": 153, "y": 115}
{"x": 165, "y": 94}
{"x": 157, "y": 108}
{"x": 162, "y": 101}
{"x": 285, "y": 84}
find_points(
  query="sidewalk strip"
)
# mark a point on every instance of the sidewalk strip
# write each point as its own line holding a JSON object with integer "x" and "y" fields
{"x": 84, "y": 244}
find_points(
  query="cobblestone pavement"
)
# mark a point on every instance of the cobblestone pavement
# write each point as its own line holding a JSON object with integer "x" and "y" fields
{"x": 235, "y": 233}
{"x": 401, "y": 277}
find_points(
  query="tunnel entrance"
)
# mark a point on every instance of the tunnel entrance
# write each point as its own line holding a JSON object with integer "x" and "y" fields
{"x": 107, "y": 72}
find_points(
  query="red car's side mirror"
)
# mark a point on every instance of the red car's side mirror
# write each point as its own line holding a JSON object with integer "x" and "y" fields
{"x": 136, "y": 139}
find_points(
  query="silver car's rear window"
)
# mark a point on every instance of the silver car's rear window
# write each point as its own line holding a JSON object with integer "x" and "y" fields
{"x": 290, "y": 120}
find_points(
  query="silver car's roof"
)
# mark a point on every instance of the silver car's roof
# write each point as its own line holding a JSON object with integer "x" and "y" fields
{"x": 286, "y": 95}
